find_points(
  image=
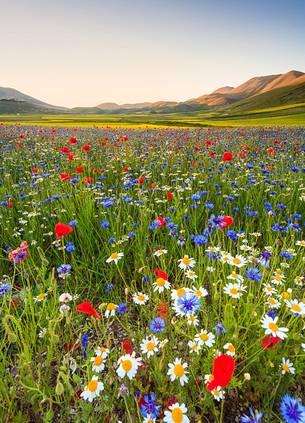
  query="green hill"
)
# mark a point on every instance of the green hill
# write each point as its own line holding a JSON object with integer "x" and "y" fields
{"x": 291, "y": 94}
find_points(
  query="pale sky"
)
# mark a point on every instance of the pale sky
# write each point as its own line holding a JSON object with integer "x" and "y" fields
{"x": 85, "y": 52}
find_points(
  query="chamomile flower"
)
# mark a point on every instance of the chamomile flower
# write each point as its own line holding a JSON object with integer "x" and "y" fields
{"x": 128, "y": 365}
{"x": 40, "y": 297}
{"x": 140, "y": 298}
{"x": 177, "y": 371}
{"x": 114, "y": 257}
{"x": 205, "y": 338}
{"x": 225, "y": 257}
{"x": 93, "y": 389}
{"x": 271, "y": 327}
{"x": 186, "y": 263}
{"x": 278, "y": 278}
{"x": 149, "y": 346}
{"x": 273, "y": 303}
{"x": 230, "y": 349}
{"x": 161, "y": 284}
{"x": 234, "y": 290}
{"x": 297, "y": 307}
{"x": 238, "y": 261}
{"x": 269, "y": 289}
{"x": 177, "y": 293}
{"x": 98, "y": 363}
{"x": 160, "y": 253}
{"x": 176, "y": 414}
{"x": 102, "y": 351}
{"x": 192, "y": 320}
{"x": 199, "y": 292}
{"x": 235, "y": 277}
{"x": 190, "y": 274}
{"x": 287, "y": 366}
{"x": 218, "y": 393}
{"x": 300, "y": 243}
{"x": 194, "y": 347}
{"x": 110, "y": 309}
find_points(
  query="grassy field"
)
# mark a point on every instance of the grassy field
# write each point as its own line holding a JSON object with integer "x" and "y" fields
{"x": 292, "y": 115}
{"x": 151, "y": 275}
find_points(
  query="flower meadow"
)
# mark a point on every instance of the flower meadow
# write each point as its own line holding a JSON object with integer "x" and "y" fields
{"x": 152, "y": 274}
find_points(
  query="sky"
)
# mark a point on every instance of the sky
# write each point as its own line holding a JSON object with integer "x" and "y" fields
{"x": 86, "y": 52}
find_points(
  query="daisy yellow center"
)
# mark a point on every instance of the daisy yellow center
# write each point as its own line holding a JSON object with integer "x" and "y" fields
{"x": 285, "y": 367}
{"x": 231, "y": 348}
{"x": 233, "y": 291}
{"x": 186, "y": 260}
{"x": 92, "y": 385}
{"x": 160, "y": 282}
{"x": 102, "y": 349}
{"x": 98, "y": 360}
{"x": 127, "y": 365}
{"x": 272, "y": 301}
{"x": 278, "y": 277}
{"x": 178, "y": 370}
{"x": 150, "y": 345}
{"x": 180, "y": 292}
{"x": 204, "y": 336}
{"x": 273, "y": 326}
{"x": 177, "y": 415}
{"x": 198, "y": 293}
{"x": 141, "y": 297}
{"x": 234, "y": 275}
{"x": 236, "y": 260}
{"x": 296, "y": 307}
{"x": 110, "y": 306}
{"x": 216, "y": 392}
{"x": 41, "y": 296}
{"x": 114, "y": 256}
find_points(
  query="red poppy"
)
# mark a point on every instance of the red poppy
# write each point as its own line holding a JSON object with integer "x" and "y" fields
{"x": 34, "y": 170}
{"x": 88, "y": 309}
{"x": 141, "y": 180}
{"x": 72, "y": 140}
{"x": 65, "y": 150}
{"x": 125, "y": 169}
{"x": 9, "y": 203}
{"x": 89, "y": 180}
{"x": 61, "y": 230}
{"x": 65, "y": 176}
{"x": 127, "y": 346}
{"x": 162, "y": 221}
{"x": 86, "y": 148}
{"x": 271, "y": 150}
{"x": 226, "y": 221}
{"x": 79, "y": 169}
{"x": 227, "y": 157}
{"x": 270, "y": 342}
{"x": 161, "y": 274}
{"x": 223, "y": 369}
{"x": 169, "y": 196}
{"x": 162, "y": 310}
{"x": 71, "y": 157}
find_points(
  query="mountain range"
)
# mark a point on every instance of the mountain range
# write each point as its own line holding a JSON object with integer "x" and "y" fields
{"x": 254, "y": 94}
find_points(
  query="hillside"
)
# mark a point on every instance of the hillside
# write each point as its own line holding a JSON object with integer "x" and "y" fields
{"x": 291, "y": 94}
{"x": 8, "y": 107}
{"x": 12, "y": 94}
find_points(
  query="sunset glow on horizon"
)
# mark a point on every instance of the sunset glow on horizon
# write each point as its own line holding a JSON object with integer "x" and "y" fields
{"x": 73, "y": 53}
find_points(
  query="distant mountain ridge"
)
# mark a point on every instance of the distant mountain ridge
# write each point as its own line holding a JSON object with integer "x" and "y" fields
{"x": 253, "y": 92}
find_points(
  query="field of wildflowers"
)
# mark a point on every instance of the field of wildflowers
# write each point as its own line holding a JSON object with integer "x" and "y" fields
{"x": 152, "y": 275}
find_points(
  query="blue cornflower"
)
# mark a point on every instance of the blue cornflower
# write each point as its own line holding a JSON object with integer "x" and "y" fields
{"x": 146, "y": 279}
{"x": 292, "y": 410}
{"x": 157, "y": 325}
{"x": 188, "y": 304}
{"x": 253, "y": 417}
{"x": 64, "y": 270}
{"x": 149, "y": 406}
{"x": 108, "y": 288}
{"x": 4, "y": 287}
{"x": 73, "y": 223}
{"x": 122, "y": 308}
{"x": 220, "y": 328}
{"x": 254, "y": 274}
{"x": 104, "y": 224}
{"x": 85, "y": 339}
{"x": 70, "y": 247}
